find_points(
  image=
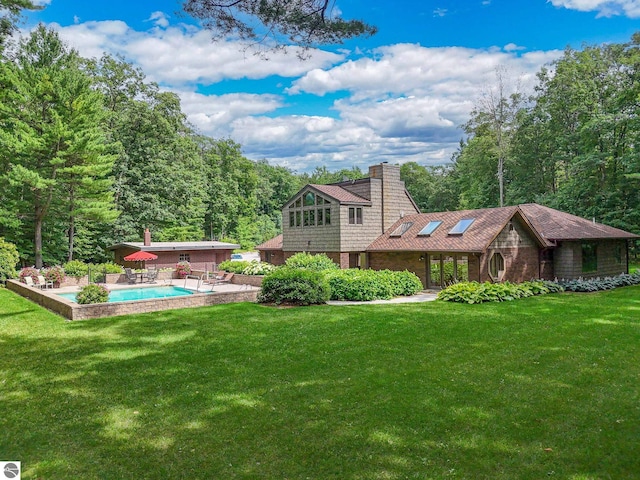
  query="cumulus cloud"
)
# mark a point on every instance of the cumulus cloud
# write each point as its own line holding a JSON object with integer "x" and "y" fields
{"x": 605, "y": 8}
{"x": 182, "y": 54}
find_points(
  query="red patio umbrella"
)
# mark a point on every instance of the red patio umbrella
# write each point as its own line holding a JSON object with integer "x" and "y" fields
{"x": 141, "y": 256}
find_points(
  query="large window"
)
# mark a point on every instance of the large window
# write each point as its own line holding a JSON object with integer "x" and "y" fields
{"x": 309, "y": 210}
{"x": 589, "y": 257}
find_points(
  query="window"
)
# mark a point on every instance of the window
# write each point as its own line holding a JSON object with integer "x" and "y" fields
{"x": 304, "y": 211}
{"x": 398, "y": 232}
{"x": 184, "y": 257}
{"x": 496, "y": 266}
{"x": 589, "y": 257}
{"x": 430, "y": 228}
{"x": 309, "y": 199}
{"x": 355, "y": 215}
{"x": 461, "y": 226}
{"x": 618, "y": 253}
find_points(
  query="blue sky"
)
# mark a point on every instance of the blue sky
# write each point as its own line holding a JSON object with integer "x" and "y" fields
{"x": 398, "y": 96}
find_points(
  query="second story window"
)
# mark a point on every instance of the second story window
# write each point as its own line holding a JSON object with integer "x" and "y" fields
{"x": 355, "y": 215}
{"x": 309, "y": 210}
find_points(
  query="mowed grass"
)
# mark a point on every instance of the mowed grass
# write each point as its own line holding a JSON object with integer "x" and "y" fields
{"x": 545, "y": 387}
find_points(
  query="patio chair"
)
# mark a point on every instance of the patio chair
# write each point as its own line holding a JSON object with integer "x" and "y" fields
{"x": 43, "y": 283}
{"x": 132, "y": 277}
{"x": 225, "y": 279}
{"x": 152, "y": 274}
{"x": 29, "y": 281}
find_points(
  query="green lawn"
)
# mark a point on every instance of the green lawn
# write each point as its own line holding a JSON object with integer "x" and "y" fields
{"x": 546, "y": 387}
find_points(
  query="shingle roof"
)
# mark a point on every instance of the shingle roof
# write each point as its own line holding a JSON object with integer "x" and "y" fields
{"x": 340, "y": 194}
{"x": 488, "y": 223}
{"x": 168, "y": 246}
{"x": 556, "y": 225}
{"x": 546, "y": 224}
{"x": 274, "y": 244}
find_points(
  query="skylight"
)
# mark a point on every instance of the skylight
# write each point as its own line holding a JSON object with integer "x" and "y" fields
{"x": 401, "y": 229}
{"x": 461, "y": 226}
{"x": 430, "y": 228}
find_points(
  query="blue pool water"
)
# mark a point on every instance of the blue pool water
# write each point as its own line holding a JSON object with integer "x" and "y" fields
{"x": 145, "y": 293}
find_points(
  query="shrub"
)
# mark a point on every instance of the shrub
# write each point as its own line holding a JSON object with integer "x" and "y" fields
{"x": 235, "y": 266}
{"x": 367, "y": 285}
{"x": 474, "y": 292}
{"x": 54, "y": 274}
{"x": 110, "y": 267}
{"x": 183, "y": 269}
{"x": 359, "y": 285}
{"x": 605, "y": 283}
{"x": 76, "y": 268}
{"x": 29, "y": 272}
{"x": 258, "y": 268}
{"x": 92, "y": 293}
{"x": 318, "y": 262}
{"x": 294, "y": 286}
{"x": 9, "y": 258}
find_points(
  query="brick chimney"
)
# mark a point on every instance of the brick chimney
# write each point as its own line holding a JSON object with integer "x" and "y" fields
{"x": 147, "y": 237}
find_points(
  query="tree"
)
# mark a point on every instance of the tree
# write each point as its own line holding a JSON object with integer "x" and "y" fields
{"x": 304, "y": 23}
{"x": 50, "y": 136}
{"x": 9, "y": 15}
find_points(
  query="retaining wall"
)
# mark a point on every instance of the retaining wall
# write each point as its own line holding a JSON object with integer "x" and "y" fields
{"x": 74, "y": 311}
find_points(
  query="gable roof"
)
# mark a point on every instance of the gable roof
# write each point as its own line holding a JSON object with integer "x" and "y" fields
{"x": 487, "y": 224}
{"x": 273, "y": 244}
{"x": 556, "y": 225}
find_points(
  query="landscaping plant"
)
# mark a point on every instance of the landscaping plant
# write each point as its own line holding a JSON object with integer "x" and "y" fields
{"x": 92, "y": 293}
{"x": 294, "y": 286}
{"x": 318, "y": 262}
{"x": 29, "y": 272}
{"x": 474, "y": 292}
{"x": 183, "y": 269}
{"x": 9, "y": 258}
{"x": 54, "y": 274}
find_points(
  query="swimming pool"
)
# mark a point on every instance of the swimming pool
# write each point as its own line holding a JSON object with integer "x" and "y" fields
{"x": 138, "y": 293}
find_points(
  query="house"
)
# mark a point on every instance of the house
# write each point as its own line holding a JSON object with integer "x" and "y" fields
{"x": 201, "y": 255}
{"x": 374, "y": 223}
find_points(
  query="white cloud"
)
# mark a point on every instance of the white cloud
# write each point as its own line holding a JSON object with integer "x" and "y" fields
{"x": 440, "y": 12}
{"x": 605, "y": 8}
{"x": 41, "y": 3}
{"x": 160, "y": 19}
{"x": 184, "y": 55}
{"x": 400, "y": 103}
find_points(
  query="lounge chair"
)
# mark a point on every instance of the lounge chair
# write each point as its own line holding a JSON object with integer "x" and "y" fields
{"x": 29, "y": 281}
{"x": 225, "y": 279}
{"x": 132, "y": 277}
{"x": 43, "y": 283}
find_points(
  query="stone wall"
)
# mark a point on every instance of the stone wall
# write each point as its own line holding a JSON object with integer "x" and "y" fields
{"x": 73, "y": 311}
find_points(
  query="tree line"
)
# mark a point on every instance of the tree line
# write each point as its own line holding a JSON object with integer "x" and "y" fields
{"x": 91, "y": 153}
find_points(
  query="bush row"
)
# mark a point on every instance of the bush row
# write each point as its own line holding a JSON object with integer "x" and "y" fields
{"x": 367, "y": 285}
{"x": 311, "y": 279}
{"x": 474, "y": 292}
{"x": 596, "y": 284}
